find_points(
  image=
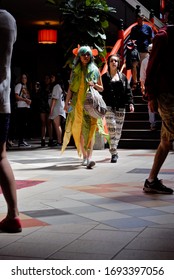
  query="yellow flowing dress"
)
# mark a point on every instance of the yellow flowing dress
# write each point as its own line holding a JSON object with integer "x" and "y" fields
{"x": 78, "y": 121}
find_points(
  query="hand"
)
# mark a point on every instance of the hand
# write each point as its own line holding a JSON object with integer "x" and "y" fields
{"x": 91, "y": 83}
{"x": 131, "y": 108}
{"x": 28, "y": 101}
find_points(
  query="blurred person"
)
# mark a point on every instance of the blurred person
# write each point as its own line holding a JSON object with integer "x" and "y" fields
{"x": 142, "y": 34}
{"x": 152, "y": 118}
{"x": 8, "y": 32}
{"x": 35, "y": 108}
{"x": 57, "y": 113}
{"x": 51, "y": 141}
{"x": 44, "y": 108}
{"x": 79, "y": 123}
{"x": 159, "y": 90}
{"x": 116, "y": 94}
{"x": 23, "y": 100}
{"x": 132, "y": 61}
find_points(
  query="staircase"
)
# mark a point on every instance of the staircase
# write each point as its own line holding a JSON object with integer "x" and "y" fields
{"x": 136, "y": 132}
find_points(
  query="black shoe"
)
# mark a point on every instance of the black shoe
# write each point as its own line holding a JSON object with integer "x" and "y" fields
{"x": 114, "y": 158}
{"x": 52, "y": 143}
{"x": 59, "y": 145}
{"x": 42, "y": 142}
{"x": 90, "y": 164}
{"x": 23, "y": 144}
{"x": 153, "y": 127}
{"x": 156, "y": 187}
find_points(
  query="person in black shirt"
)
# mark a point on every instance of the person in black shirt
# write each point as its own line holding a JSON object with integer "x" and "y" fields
{"x": 116, "y": 94}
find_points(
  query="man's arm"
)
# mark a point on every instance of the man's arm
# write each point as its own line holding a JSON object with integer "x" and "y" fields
{"x": 158, "y": 51}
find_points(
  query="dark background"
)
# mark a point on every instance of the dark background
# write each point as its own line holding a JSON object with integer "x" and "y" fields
{"x": 31, "y": 15}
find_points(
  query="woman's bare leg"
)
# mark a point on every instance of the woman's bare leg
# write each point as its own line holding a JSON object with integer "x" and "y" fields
{"x": 7, "y": 182}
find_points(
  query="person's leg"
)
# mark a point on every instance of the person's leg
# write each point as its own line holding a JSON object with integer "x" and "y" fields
{"x": 7, "y": 181}
{"x": 44, "y": 121}
{"x": 20, "y": 128}
{"x": 43, "y": 118}
{"x": 50, "y": 132}
{"x": 160, "y": 156}
{"x": 58, "y": 129}
{"x": 120, "y": 116}
{"x": 115, "y": 122}
{"x": 90, "y": 150}
{"x": 153, "y": 184}
{"x": 87, "y": 153}
{"x": 165, "y": 109}
{"x": 111, "y": 126}
{"x": 84, "y": 152}
{"x": 22, "y": 115}
{"x": 134, "y": 73}
{"x": 90, "y": 162}
{"x": 142, "y": 56}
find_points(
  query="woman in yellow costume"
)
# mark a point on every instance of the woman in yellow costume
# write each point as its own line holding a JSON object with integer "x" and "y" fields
{"x": 79, "y": 124}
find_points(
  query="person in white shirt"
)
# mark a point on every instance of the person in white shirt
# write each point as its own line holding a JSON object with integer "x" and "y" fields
{"x": 57, "y": 113}
{"x": 23, "y": 101}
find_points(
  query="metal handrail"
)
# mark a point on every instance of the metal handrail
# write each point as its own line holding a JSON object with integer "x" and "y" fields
{"x": 121, "y": 43}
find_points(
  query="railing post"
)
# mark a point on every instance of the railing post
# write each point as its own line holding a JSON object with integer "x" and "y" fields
{"x": 162, "y": 8}
{"x": 138, "y": 10}
{"x": 151, "y": 16}
{"x": 121, "y": 36}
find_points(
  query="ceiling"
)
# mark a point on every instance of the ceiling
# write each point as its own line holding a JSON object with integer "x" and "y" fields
{"x": 31, "y": 12}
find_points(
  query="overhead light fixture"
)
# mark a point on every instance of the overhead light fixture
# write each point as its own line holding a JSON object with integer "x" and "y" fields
{"x": 47, "y": 36}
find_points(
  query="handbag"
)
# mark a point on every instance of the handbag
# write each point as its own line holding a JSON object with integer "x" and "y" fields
{"x": 94, "y": 104}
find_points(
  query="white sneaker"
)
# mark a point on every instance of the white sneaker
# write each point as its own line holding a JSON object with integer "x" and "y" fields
{"x": 85, "y": 162}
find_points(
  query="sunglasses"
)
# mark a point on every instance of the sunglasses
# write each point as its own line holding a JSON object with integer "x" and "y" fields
{"x": 85, "y": 54}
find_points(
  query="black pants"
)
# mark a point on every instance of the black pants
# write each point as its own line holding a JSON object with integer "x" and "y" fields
{"x": 23, "y": 120}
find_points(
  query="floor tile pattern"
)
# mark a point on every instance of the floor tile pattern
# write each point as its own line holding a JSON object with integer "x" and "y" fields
{"x": 69, "y": 212}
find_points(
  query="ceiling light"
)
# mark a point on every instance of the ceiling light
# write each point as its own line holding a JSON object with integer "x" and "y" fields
{"x": 47, "y": 36}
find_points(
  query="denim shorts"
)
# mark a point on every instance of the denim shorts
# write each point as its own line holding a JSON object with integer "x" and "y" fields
{"x": 4, "y": 127}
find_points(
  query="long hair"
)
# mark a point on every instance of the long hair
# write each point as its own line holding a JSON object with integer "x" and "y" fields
{"x": 83, "y": 50}
{"x": 91, "y": 73}
{"x": 119, "y": 61}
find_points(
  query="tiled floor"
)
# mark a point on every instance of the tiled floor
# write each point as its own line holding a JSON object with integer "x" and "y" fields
{"x": 70, "y": 212}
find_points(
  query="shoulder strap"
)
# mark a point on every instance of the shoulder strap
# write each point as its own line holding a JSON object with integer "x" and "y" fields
{"x": 20, "y": 93}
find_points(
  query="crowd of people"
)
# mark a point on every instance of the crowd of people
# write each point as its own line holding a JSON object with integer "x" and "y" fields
{"x": 38, "y": 110}
{"x": 48, "y": 102}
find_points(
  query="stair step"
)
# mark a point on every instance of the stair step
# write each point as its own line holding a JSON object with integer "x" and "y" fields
{"x": 137, "y": 116}
{"x": 138, "y": 144}
{"x": 140, "y": 134}
{"x": 139, "y": 124}
{"x": 136, "y": 133}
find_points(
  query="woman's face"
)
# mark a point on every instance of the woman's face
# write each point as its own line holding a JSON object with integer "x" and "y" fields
{"x": 85, "y": 58}
{"x": 24, "y": 79}
{"x": 113, "y": 62}
{"x": 47, "y": 80}
{"x": 52, "y": 78}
